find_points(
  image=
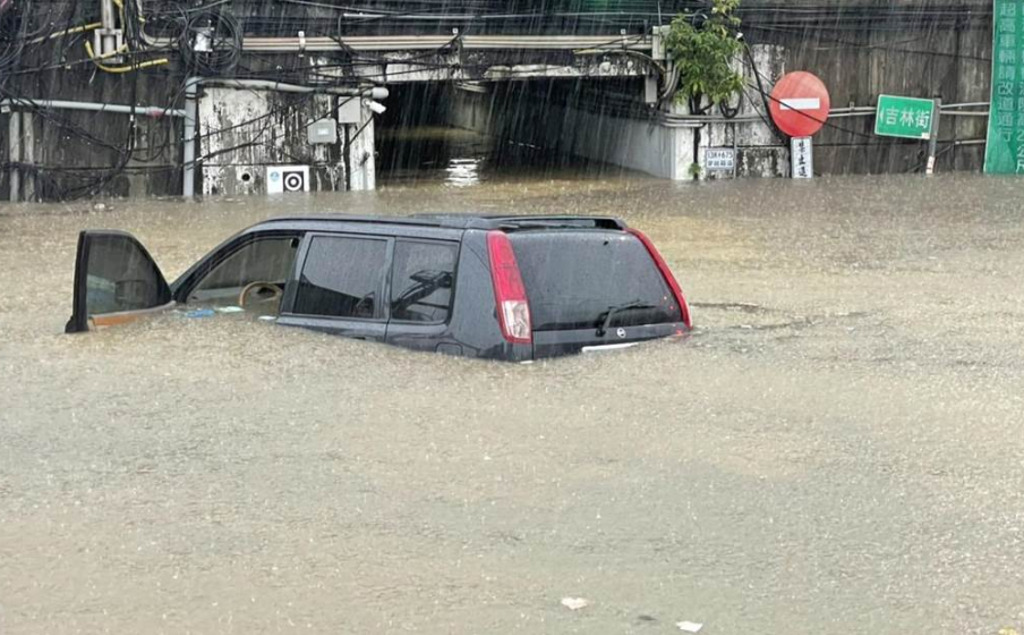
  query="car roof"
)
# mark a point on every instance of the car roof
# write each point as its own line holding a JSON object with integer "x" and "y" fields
{"x": 455, "y": 221}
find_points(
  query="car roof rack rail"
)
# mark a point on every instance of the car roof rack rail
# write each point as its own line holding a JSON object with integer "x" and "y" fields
{"x": 473, "y": 221}
{"x": 534, "y": 222}
{"x": 514, "y": 222}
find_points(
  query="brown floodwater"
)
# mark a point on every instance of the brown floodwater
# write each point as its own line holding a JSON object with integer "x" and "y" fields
{"x": 837, "y": 448}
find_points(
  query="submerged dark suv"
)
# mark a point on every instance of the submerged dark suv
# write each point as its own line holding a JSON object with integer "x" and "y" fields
{"x": 512, "y": 288}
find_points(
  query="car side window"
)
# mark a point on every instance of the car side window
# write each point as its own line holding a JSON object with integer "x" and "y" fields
{"x": 342, "y": 277}
{"x": 422, "y": 278}
{"x": 120, "y": 276}
{"x": 254, "y": 275}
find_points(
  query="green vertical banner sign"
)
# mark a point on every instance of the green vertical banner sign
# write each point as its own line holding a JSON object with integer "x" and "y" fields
{"x": 1004, "y": 152}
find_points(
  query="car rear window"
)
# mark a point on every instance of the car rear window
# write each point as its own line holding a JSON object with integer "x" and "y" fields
{"x": 573, "y": 279}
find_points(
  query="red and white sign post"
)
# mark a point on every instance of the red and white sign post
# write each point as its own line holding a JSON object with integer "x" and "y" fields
{"x": 799, "y": 106}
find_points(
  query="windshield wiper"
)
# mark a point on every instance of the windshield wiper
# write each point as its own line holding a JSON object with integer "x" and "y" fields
{"x": 620, "y": 308}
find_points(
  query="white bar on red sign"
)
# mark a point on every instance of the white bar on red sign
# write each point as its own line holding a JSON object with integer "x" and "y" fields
{"x": 801, "y": 103}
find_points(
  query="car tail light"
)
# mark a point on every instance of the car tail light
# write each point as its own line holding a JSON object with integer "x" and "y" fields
{"x": 667, "y": 273}
{"x": 509, "y": 291}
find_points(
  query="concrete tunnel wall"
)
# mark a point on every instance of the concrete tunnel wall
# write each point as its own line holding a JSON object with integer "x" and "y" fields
{"x": 607, "y": 121}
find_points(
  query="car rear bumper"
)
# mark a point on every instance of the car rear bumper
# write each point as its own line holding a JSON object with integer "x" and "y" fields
{"x": 558, "y": 343}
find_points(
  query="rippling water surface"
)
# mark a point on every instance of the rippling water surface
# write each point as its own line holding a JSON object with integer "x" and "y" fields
{"x": 838, "y": 448}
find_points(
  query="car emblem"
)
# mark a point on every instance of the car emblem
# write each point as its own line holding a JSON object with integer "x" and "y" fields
{"x": 621, "y": 333}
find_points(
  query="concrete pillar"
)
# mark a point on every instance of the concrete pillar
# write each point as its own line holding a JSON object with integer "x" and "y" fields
{"x": 14, "y": 154}
{"x": 28, "y": 153}
{"x": 361, "y": 161}
{"x": 188, "y": 156}
{"x": 760, "y": 152}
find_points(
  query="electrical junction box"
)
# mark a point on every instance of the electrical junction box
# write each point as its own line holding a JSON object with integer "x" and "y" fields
{"x": 101, "y": 38}
{"x": 286, "y": 179}
{"x": 324, "y": 131}
{"x": 658, "y": 35}
{"x": 204, "y": 40}
{"x": 350, "y": 110}
{"x": 651, "y": 89}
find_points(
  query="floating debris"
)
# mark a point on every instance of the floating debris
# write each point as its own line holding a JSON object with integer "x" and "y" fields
{"x": 574, "y": 604}
{"x": 689, "y": 627}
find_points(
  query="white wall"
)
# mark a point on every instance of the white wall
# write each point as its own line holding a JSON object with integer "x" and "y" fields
{"x": 244, "y": 131}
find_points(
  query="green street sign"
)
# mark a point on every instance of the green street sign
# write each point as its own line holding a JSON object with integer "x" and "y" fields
{"x": 906, "y": 117}
{"x": 1004, "y": 150}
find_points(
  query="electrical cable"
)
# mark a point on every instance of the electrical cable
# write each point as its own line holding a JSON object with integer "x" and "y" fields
{"x": 210, "y": 43}
{"x": 12, "y": 39}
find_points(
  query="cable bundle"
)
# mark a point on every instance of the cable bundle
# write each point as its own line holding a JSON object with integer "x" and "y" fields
{"x": 223, "y": 37}
{"x": 12, "y": 41}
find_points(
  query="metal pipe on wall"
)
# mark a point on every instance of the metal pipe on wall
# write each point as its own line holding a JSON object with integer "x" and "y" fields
{"x": 149, "y": 111}
{"x": 434, "y": 42}
{"x": 376, "y": 92}
{"x": 109, "y": 42}
{"x": 21, "y": 133}
{"x": 107, "y": 14}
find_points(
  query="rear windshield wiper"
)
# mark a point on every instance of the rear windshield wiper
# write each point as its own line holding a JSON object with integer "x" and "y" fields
{"x": 606, "y": 317}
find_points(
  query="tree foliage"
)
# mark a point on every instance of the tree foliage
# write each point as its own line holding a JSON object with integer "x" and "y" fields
{"x": 703, "y": 51}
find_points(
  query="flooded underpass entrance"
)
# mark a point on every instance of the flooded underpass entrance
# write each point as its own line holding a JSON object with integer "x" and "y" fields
{"x": 482, "y": 131}
{"x": 836, "y": 447}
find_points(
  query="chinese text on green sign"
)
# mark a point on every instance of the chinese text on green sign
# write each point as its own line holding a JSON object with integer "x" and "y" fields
{"x": 905, "y": 117}
{"x": 1004, "y": 152}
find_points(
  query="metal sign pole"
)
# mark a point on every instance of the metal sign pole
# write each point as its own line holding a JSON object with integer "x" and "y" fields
{"x": 14, "y": 154}
{"x": 933, "y": 139}
{"x": 735, "y": 154}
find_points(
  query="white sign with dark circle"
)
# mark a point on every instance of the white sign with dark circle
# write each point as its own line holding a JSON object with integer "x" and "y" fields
{"x": 287, "y": 179}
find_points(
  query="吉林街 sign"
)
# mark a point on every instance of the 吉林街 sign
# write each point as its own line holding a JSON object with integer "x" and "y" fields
{"x": 1004, "y": 150}
{"x": 905, "y": 117}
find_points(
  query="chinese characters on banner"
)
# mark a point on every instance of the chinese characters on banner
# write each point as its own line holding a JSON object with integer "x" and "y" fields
{"x": 802, "y": 157}
{"x": 1004, "y": 152}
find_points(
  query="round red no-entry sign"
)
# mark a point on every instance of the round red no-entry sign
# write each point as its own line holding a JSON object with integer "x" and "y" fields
{"x": 799, "y": 104}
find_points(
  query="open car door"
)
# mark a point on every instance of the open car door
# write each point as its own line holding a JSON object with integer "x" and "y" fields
{"x": 116, "y": 281}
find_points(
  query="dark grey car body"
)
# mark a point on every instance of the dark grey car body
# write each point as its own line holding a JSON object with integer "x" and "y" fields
{"x": 471, "y": 325}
